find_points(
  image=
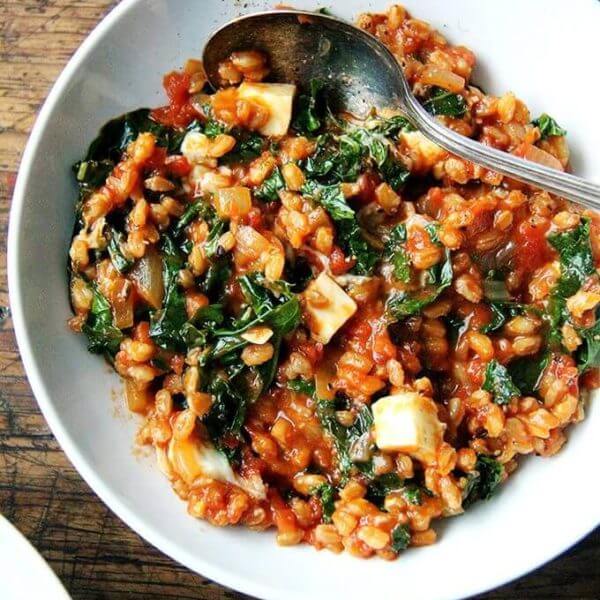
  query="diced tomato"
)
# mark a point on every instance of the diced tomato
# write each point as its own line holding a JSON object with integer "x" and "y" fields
{"x": 476, "y": 370}
{"x": 340, "y": 263}
{"x": 382, "y": 347}
{"x": 591, "y": 379}
{"x": 563, "y": 368}
{"x": 178, "y": 166}
{"x": 157, "y": 160}
{"x": 177, "y": 363}
{"x": 531, "y": 247}
{"x": 179, "y": 112}
{"x": 141, "y": 332}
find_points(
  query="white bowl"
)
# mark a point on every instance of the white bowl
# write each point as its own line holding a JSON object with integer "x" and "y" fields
{"x": 543, "y": 50}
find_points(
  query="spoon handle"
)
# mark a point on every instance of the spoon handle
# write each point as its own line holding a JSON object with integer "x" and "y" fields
{"x": 557, "y": 182}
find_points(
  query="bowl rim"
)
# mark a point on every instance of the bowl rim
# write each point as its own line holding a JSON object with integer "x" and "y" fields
{"x": 197, "y": 563}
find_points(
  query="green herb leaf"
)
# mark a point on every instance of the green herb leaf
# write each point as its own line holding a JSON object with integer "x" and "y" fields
{"x": 326, "y": 493}
{"x": 395, "y": 253}
{"x": 403, "y": 304}
{"x": 501, "y": 313}
{"x": 167, "y": 322}
{"x": 548, "y": 126}
{"x": 499, "y": 383}
{"x": 303, "y": 386}
{"x": 344, "y": 437}
{"x": 400, "y": 538}
{"x": 115, "y": 250}
{"x": 526, "y": 372}
{"x": 576, "y": 260}
{"x": 103, "y": 336}
{"x": 270, "y": 187}
{"x": 310, "y": 109}
{"x": 484, "y": 482}
{"x": 588, "y": 355}
{"x": 442, "y": 102}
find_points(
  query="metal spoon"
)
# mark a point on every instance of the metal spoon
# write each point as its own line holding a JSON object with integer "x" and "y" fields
{"x": 361, "y": 73}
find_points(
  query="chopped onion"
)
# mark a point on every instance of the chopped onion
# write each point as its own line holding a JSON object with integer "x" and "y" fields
{"x": 432, "y": 75}
{"x": 147, "y": 277}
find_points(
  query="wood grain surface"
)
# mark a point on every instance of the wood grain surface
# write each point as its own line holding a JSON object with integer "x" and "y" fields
{"x": 92, "y": 551}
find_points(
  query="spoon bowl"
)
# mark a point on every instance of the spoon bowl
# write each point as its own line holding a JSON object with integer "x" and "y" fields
{"x": 361, "y": 74}
{"x": 359, "y": 71}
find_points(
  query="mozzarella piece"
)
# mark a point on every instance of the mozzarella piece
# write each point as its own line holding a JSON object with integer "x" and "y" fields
{"x": 278, "y": 98}
{"x": 193, "y": 458}
{"x": 337, "y": 307}
{"x": 407, "y": 422}
{"x": 195, "y": 146}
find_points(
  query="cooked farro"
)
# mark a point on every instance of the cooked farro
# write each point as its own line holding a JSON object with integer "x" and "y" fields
{"x": 334, "y": 327}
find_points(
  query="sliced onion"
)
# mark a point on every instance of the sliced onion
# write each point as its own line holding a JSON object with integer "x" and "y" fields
{"x": 147, "y": 277}
{"x": 432, "y": 75}
{"x": 539, "y": 156}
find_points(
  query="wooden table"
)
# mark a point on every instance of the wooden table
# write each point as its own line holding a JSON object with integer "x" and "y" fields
{"x": 93, "y": 552}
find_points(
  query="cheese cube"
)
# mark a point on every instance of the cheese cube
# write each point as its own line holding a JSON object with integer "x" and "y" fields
{"x": 278, "y": 98}
{"x": 328, "y": 307}
{"x": 192, "y": 458}
{"x": 407, "y": 422}
{"x": 195, "y": 146}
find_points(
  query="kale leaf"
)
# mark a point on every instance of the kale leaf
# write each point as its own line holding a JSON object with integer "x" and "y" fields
{"x": 442, "y": 102}
{"x": 499, "y": 383}
{"x": 326, "y": 493}
{"x": 588, "y": 355}
{"x": 483, "y": 483}
{"x": 526, "y": 372}
{"x": 270, "y": 187}
{"x": 403, "y": 304}
{"x": 501, "y": 313}
{"x": 400, "y": 538}
{"x": 303, "y": 386}
{"x": 548, "y": 126}
{"x": 576, "y": 260}
{"x": 344, "y": 437}
{"x": 115, "y": 251}
{"x": 103, "y": 336}
{"x": 395, "y": 253}
{"x": 310, "y": 109}
{"x": 348, "y": 231}
{"x": 167, "y": 322}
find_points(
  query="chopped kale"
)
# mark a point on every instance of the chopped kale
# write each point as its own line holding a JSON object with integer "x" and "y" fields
{"x": 228, "y": 410}
{"x": 309, "y": 113}
{"x": 270, "y": 187}
{"x": 400, "y": 538}
{"x": 526, "y": 372}
{"x": 303, "y": 386}
{"x": 115, "y": 251}
{"x": 344, "y": 437}
{"x": 576, "y": 260}
{"x": 442, "y": 102}
{"x": 483, "y": 483}
{"x": 499, "y": 383}
{"x": 381, "y": 486}
{"x": 395, "y": 253}
{"x": 548, "y": 126}
{"x": 167, "y": 322}
{"x": 103, "y": 336}
{"x": 403, "y": 304}
{"x": 501, "y": 313}
{"x": 326, "y": 493}
{"x": 588, "y": 355}
{"x": 349, "y": 233}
